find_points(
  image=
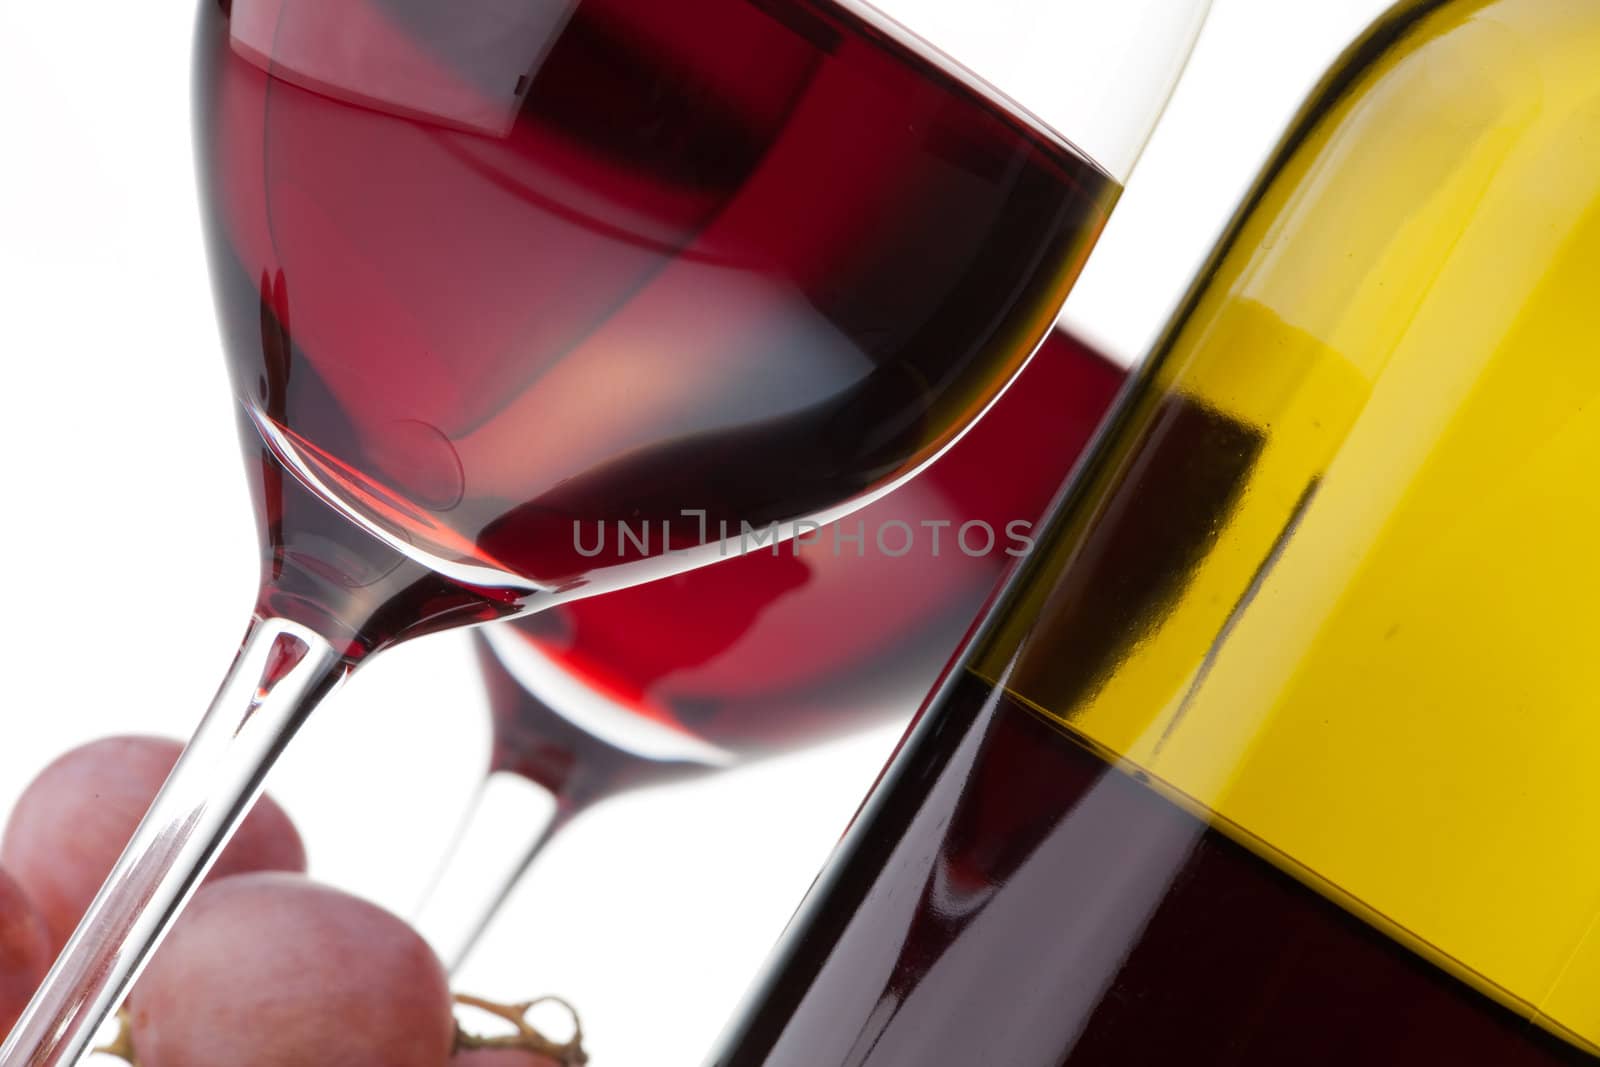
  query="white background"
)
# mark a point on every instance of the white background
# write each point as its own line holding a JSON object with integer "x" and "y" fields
{"x": 125, "y": 528}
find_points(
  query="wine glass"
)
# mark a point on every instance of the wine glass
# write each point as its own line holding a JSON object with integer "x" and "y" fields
{"x": 487, "y": 275}
{"x": 765, "y": 653}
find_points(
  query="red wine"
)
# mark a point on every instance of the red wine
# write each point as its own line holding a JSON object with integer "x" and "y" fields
{"x": 1009, "y": 894}
{"x": 487, "y": 274}
{"x": 772, "y": 651}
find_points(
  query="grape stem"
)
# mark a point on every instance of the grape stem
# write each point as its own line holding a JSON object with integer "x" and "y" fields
{"x": 569, "y": 1053}
{"x": 122, "y": 1045}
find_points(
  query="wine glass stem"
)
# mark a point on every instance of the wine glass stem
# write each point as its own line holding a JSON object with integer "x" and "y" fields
{"x": 283, "y": 670}
{"x": 510, "y": 823}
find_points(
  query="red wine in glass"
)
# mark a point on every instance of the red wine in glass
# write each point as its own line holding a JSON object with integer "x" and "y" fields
{"x": 770, "y": 651}
{"x": 614, "y": 262}
{"x": 486, "y": 273}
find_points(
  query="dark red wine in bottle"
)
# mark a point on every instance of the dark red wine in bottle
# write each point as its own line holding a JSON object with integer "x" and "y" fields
{"x": 1010, "y": 897}
{"x": 491, "y": 274}
{"x": 775, "y": 650}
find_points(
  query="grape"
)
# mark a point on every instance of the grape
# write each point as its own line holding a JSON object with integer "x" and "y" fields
{"x": 72, "y": 822}
{"x": 501, "y": 1057}
{"x": 274, "y": 970}
{"x": 24, "y": 951}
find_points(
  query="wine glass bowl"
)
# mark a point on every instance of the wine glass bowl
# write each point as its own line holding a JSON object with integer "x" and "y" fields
{"x": 502, "y": 279}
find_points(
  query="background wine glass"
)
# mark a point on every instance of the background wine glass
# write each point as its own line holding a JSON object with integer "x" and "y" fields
{"x": 764, "y": 653}
{"x": 409, "y": 245}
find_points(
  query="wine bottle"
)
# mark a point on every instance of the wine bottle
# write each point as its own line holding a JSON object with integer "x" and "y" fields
{"x": 1281, "y": 747}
